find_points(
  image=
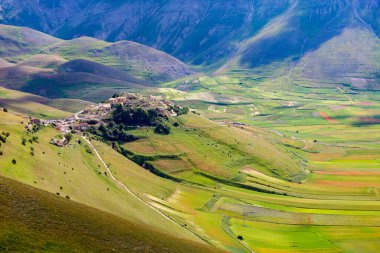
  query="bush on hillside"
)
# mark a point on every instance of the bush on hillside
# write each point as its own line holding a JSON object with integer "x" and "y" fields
{"x": 3, "y": 139}
{"x": 162, "y": 129}
{"x": 36, "y": 128}
{"x": 35, "y": 139}
{"x": 180, "y": 110}
{"x": 69, "y": 137}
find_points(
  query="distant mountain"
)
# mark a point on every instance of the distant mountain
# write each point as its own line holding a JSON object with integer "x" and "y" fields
{"x": 310, "y": 38}
{"x": 196, "y": 31}
{"x": 322, "y": 40}
{"x": 41, "y": 64}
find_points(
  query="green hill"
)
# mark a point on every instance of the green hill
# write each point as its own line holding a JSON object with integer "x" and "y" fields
{"x": 33, "y": 220}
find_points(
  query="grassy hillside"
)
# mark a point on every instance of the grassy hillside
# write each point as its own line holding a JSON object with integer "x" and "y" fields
{"x": 34, "y": 220}
{"x": 321, "y": 41}
{"x": 17, "y": 43}
{"x": 351, "y": 58}
{"x": 73, "y": 172}
{"x": 37, "y": 106}
{"x": 219, "y": 150}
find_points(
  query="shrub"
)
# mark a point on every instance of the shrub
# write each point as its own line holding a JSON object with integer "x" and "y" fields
{"x": 180, "y": 110}
{"x": 88, "y": 149}
{"x": 176, "y": 124}
{"x": 1, "y": 153}
{"x": 69, "y": 137}
{"x": 5, "y": 109}
{"x": 162, "y": 129}
{"x": 14, "y": 161}
{"x": 240, "y": 237}
{"x": 23, "y": 141}
{"x": 36, "y": 128}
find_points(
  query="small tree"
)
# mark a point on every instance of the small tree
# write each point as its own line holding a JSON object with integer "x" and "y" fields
{"x": 162, "y": 129}
{"x": 5, "y": 109}
{"x": 13, "y": 161}
{"x": 69, "y": 137}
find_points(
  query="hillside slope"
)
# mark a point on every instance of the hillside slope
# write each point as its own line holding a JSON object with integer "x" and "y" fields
{"x": 41, "y": 107}
{"x": 321, "y": 40}
{"x": 34, "y": 220}
{"x": 75, "y": 172}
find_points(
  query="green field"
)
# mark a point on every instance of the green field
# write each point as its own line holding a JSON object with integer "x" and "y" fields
{"x": 36, "y": 221}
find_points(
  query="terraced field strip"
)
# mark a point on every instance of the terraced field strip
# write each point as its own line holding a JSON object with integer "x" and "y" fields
{"x": 304, "y": 190}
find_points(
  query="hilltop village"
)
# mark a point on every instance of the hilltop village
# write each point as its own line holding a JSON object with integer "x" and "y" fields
{"x": 94, "y": 115}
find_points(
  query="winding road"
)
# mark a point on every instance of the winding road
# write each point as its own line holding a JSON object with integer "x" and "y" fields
{"x": 122, "y": 185}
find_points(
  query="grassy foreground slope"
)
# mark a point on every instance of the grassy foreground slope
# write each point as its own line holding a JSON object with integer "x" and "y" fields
{"x": 33, "y": 220}
{"x": 75, "y": 172}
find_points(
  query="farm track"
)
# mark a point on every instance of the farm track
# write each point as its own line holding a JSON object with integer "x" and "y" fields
{"x": 123, "y": 186}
